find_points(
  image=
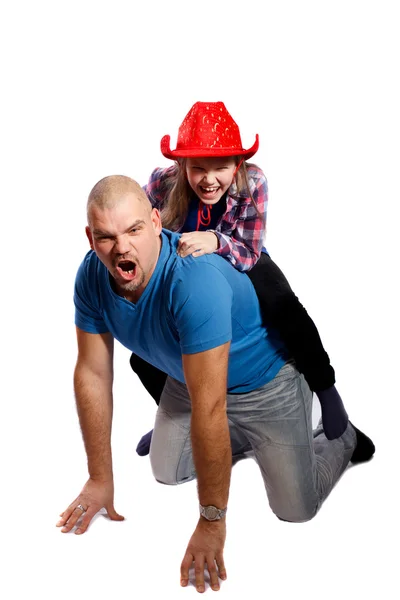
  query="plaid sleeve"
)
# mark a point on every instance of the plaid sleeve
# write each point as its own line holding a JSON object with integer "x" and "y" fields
{"x": 158, "y": 186}
{"x": 241, "y": 237}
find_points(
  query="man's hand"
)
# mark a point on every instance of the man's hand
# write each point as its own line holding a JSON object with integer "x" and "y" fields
{"x": 206, "y": 546}
{"x": 94, "y": 496}
{"x": 197, "y": 243}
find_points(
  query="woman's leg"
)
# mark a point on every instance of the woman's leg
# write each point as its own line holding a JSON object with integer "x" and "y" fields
{"x": 152, "y": 378}
{"x": 282, "y": 310}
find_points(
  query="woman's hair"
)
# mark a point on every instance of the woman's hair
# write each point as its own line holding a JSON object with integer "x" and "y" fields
{"x": 176, "y": 205}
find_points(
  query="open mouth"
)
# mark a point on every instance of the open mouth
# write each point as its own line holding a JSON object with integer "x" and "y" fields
{"x": 210, "y": 191}
{"x": 126, "y": 269}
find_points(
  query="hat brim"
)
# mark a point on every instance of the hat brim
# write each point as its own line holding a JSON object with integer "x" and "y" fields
{"x": 206, "y": 152}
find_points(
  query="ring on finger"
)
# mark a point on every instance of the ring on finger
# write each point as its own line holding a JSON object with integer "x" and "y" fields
{"x": 81, "y": 508}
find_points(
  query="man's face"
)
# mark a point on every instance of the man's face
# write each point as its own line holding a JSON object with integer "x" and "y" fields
{"x": 126, "y": 238}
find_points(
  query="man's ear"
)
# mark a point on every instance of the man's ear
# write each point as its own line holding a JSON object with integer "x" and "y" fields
{"x": 156, "y": 220}
{"x": 89, "y": 236}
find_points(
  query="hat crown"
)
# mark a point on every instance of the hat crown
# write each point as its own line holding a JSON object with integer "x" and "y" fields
{"x": 209, "y": 125}
{"x": 208, "y": 130}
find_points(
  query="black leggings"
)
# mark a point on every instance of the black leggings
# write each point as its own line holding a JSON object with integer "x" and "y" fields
{"x": 282, "y": 310}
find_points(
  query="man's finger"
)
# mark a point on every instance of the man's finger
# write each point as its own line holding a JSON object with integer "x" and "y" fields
{"x": 185, "y": 566}
{"x": 75, "y": 513}
{"x": 212, "y": 570}
{"x": 61, "y": 521}
{"x": 86, "y": 519}
{"x": 65, "y": 516}
{"x": 199, "y": 572}
{"x": 221, "y": 566}
{"x": 72, "y": 520}
{"x": 112, "y": 513}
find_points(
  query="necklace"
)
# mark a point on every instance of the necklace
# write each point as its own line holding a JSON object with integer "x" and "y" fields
{"x": 203, "y": 215}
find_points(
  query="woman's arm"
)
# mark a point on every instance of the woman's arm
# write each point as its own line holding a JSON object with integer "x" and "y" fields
{"x": 242, "y": 236}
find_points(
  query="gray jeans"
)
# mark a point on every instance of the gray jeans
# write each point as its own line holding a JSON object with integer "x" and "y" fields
{"x": 299, "y": 466}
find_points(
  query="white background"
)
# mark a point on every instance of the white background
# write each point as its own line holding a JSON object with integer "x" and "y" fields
{"x": 88, "y": 90}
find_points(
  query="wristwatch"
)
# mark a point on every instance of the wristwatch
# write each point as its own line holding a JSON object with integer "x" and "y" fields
{"x": 212, "y": 513}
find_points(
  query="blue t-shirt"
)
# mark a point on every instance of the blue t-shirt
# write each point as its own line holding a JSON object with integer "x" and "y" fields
{"x": 189, "y": 305}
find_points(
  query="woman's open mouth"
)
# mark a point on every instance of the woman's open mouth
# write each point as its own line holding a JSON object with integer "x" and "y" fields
{"x": 209, "y": 192}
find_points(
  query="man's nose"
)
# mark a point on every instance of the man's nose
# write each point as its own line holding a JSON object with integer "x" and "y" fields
{"x": 122, "y": 245}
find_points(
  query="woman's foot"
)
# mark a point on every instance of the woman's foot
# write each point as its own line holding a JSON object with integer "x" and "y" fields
{"x": 143, "y": 447}
{"x": 365, "y": 448}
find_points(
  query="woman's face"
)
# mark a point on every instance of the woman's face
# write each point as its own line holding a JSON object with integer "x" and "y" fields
{"x": 210, "y": 177}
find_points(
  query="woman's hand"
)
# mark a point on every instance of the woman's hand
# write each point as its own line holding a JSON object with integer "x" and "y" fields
{"x": 197, "y": 243}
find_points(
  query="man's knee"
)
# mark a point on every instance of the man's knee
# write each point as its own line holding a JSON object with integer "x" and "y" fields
{"x": 301, "y": 515}
{"x": 162, "y": 472}
{"x": 167, "y": 473}
{"x": 166, "y": 479}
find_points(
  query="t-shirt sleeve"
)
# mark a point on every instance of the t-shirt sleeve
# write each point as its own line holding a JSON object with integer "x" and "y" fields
{"x": 88, "y": 315}
{"x": 201, "y": 304}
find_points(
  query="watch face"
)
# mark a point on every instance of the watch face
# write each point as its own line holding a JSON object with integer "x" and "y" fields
{"x": 211, "y": 512}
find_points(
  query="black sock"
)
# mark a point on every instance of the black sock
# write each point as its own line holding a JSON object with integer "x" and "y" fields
{"x": 143, "y": 447}
{"x": 365, "y": 447}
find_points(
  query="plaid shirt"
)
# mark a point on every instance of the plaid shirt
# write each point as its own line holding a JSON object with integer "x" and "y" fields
{"x": 240, "y": 230}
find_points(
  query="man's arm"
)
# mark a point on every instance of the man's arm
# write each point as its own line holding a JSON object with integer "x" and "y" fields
{"x": 93, "y": 379}
{"x": 206, "y": 380}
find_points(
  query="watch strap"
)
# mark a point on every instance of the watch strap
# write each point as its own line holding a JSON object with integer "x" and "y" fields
{"x": 212, "y": 513}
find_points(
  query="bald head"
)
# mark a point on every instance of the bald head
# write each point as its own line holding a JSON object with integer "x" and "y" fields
{"x": 111, "y": 190}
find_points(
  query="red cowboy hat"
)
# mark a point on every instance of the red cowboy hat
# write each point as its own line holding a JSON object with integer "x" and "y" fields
{"x": 207, "y": 130}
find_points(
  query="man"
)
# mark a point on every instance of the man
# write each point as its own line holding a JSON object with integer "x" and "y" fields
{"x": 198, "y": 320}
